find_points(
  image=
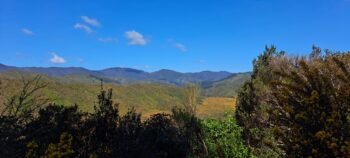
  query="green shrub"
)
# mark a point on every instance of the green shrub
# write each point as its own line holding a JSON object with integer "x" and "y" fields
{"x": 224, "y": 139}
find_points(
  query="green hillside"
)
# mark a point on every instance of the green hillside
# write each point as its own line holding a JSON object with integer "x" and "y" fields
{"x": 144, "y": 97}
{"x": 147, "y": 98}
{"x": 227, "y": 87}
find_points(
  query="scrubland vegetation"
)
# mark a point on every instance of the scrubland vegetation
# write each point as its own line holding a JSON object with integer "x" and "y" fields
{"x": 297, "y": 106}
{"x": 290, "y": 107}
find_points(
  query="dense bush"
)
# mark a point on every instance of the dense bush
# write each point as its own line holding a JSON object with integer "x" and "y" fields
{"x": 224, "y": 138}
{"x": 311, "y": 101}
{"x": 297, "y": 106}
{"x": 64, "y": 131}
{"x": 253, "y": 107}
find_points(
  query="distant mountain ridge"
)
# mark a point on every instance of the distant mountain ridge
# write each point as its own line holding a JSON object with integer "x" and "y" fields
{"x": 125, "y": 75}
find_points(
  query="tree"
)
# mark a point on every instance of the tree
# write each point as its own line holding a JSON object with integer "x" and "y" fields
{"x": 253, "y": 107}
{"x": 19, "y": 110}
{"x": 162, "y": 139}
{"x": 127, "y": 139}
{"x": 52, "y": 121}
{"x": 27, "y": 101}
{"x": 100, "y": 129}
{"x": 191, "y": 130}
{"x": 191, "y": 100}
{"x": 63, "y": 149}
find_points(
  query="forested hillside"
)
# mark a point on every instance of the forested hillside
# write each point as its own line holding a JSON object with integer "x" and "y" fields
{"x": 227, "y": 87}
{"x": 146, "y": 98}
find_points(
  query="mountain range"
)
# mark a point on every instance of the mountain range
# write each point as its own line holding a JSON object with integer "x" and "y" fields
{"x": 125, "y": 75}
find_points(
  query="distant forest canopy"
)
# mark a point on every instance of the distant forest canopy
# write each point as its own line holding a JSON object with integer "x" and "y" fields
{"x": 289, "y": 106}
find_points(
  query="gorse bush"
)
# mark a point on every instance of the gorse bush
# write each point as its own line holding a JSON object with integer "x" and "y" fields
{"x": 312, "y": 99}
{"x": 297, "y": 106}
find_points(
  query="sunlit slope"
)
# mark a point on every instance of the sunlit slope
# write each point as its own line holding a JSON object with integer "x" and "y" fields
{"x": 143, "y": 97}
{"x": 216, "y": 107}
{"x": 147, "y": 98}
{"x": 227, "y": 87}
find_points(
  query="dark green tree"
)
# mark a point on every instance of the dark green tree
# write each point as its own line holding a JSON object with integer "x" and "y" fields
{"x": 50, "y": 124}
{"x": 100, "y": 128}
{"x": 253, "y": 107}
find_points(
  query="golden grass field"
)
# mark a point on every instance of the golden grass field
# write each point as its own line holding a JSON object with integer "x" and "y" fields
{"x": 216, "y": 107}
{"x": 211, "y": 107}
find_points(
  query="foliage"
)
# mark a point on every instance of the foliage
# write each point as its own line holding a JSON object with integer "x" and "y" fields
{"x": 297, "y": 106}
{"x": 191, "y": 98}
{"x": 103, "y": 133}
{"x": 162, "y": 136}
{"x": 253, "y": 107}
{"x": 27, "y": 101}
{"x": 312, "y": 99}
{"x": 61, "y": 150}
{"x": 224, "y": 139}
{"x": 190, "y": 128}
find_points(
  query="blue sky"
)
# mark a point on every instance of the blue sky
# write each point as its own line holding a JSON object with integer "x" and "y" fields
{"x": 182, "y": 35}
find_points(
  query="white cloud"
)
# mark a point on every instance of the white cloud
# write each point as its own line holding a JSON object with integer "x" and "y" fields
{"x": 135, "y": 38}
{"x": 107, "y": 39}
{"x": 27, "y": 32}
{"x": 180, "y": 47}
{"x": 90, "y": 21}
{"x": 57, "y": 59}
{"x": 86, "y": 28}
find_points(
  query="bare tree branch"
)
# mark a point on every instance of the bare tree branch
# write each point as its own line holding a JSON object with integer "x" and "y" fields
{"x": 28, "y": 100}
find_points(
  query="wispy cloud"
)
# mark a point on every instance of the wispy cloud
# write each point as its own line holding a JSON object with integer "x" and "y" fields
{"x": 84, "y": 27}
{"x": 20, "y": 55}
{"x": 135, "y": 38}
{"x": 90, "y": 21}
{"x": 107, "y": 39}
{"x": 81, "y": 60}
{"x": 57, "y": 59}
{"x": 27, "y": 32}
{"x": 180, "y": 47}
{"x": 201, "y": 61}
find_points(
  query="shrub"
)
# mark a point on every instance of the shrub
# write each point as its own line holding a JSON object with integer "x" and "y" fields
{"x": 224, "y": 139}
